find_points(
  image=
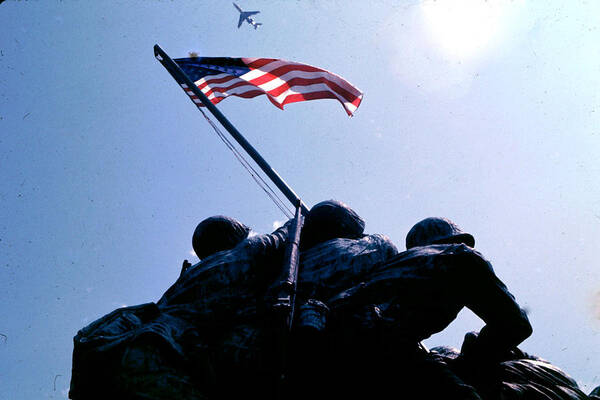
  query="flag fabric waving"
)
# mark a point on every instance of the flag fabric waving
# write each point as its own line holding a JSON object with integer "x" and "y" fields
{"x": 281, "y": 81}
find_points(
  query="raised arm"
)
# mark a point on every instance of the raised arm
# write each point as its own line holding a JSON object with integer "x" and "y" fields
{"x": 266, "y": 245}
{"x": 506, "y": 322}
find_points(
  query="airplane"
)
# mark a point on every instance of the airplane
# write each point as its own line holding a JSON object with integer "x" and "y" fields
{"x": 246, "y": 16}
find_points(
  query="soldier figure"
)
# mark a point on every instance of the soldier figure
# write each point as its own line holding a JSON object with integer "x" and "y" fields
{"x": 413, "y": 295}
{"x": 165, "y": 350}
{"x": 336, "y": 255}
{"x": 506, "y": 323}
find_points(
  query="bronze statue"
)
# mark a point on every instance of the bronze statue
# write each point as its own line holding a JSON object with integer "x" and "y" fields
{"x": 362, "y": 310}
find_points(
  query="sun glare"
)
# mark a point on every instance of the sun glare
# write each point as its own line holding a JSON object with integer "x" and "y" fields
{"x": 464, "y": 29}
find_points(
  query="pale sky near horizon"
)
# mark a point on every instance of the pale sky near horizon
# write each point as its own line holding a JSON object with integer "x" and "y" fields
{"x": 485, "y": 112}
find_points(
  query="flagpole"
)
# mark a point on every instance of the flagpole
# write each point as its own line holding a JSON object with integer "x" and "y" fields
{"x": 182, "y": 78}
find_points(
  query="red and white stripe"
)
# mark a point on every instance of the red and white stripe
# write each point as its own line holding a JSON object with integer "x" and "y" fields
{"x": 283, "y": 82}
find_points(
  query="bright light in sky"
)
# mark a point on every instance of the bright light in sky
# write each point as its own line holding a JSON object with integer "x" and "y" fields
{"x": 465, "y": 28}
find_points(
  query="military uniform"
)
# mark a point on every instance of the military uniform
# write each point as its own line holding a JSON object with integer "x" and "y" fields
{"x": 165, "y": 350}
{"x": 415, "y": 294}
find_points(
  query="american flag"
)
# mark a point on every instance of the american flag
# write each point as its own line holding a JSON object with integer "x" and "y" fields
{"x": 281, "y": 81}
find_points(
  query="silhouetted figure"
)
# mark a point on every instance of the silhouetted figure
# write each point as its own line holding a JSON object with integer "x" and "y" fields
{"x": 248, "y": 358}
{"x": 165, "y": 350}
{"x": 226, "y": 255}
{"x": 413, "y": 295}
{"x": 224, "y": 301}
{"x": 506, "y": 323}
{"x": 336, "y": 254}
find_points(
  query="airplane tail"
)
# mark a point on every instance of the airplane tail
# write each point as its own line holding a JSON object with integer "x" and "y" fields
{"x": 256, "y": 25}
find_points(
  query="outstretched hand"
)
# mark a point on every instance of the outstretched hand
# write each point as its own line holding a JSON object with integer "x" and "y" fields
{"x": 468, "y": 350}
{"x": 473, "y": 365}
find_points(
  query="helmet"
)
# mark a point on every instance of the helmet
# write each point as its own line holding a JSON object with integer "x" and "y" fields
{"x": 218, "y": 233}
{"x": 328, "y": 220}
{"x": 436, "y": 230}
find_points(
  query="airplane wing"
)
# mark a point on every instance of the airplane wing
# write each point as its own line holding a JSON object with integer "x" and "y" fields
{"x": 246, "y": 13}
{"x": 242, "y": 19}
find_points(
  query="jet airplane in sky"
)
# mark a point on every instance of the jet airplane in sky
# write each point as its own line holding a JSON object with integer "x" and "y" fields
{"x": 246, "y": 16}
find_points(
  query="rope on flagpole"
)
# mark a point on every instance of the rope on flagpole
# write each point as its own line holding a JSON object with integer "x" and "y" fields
{"x": 196, "y": 95}
{"x": 246, "y": 164}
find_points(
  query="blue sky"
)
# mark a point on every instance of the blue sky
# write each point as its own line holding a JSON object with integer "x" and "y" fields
{"x": 488, "y": 114}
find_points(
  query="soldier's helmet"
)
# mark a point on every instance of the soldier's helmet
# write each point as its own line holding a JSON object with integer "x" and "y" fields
{"x": 435, "y": 230}
{"x": 328, "y": 220}
{"x": 216, "y": 234}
